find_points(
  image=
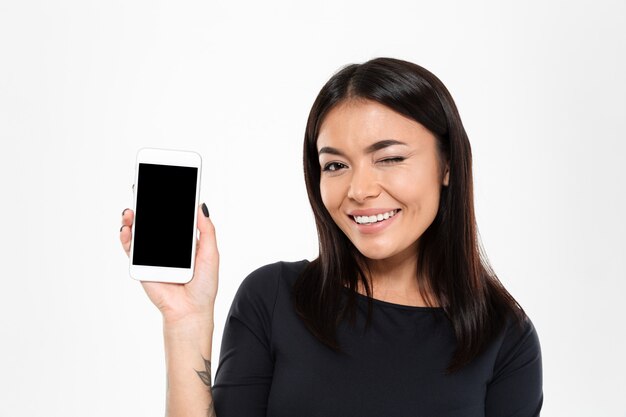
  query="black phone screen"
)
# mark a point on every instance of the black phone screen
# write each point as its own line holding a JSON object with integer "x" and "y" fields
{"x": 166, "y": 205}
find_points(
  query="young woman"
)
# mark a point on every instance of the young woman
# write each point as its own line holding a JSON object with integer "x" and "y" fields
{"x": 400, "y": 314}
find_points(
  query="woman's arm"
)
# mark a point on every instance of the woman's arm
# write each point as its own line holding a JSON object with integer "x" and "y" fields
{"x": 188, "y": 365}
{"x": 187, "y": 311}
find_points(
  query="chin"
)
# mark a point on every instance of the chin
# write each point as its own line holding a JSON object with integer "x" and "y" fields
{"x": 375, "y": 254}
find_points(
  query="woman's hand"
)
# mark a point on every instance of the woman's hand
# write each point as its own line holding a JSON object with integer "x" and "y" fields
{"x": 196, "y": 299}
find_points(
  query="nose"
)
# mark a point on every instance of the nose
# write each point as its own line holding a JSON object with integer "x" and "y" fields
{"x": 363, "y": 185}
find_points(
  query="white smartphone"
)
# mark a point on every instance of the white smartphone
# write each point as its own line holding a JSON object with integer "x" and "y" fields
{"x": 166, "y": 198}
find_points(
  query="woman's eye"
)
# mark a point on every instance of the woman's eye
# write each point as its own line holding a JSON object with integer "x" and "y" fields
{"x": 392, "y": 160}
{"x": 333, "y": 166}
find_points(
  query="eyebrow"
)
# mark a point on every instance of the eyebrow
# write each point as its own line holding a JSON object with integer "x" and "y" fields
{"x": 370, "y": 149}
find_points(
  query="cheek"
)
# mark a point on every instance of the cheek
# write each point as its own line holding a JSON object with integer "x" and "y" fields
{"x": 405, "y": 184}
{"x": 332, "y": 193}
{"x": 417, "y": 188}
{"x": 326, "y": 191}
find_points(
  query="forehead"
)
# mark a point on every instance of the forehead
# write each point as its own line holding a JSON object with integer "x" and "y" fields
{"x": 358, "y": 123}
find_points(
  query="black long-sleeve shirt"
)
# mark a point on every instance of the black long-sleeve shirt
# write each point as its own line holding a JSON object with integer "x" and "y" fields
{"x": 271, "y": 365}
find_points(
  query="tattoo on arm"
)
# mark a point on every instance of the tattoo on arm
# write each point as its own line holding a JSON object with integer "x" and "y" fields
{"x": 205, "y": 376}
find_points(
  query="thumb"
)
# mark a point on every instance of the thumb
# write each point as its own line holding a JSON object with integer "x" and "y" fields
{"x": 207, "y": 244}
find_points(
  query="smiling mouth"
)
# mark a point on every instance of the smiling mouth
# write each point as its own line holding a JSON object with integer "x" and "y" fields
{"x": 364, "y": 220}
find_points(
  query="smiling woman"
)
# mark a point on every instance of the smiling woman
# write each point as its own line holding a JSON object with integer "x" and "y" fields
{"x": 386, "y": 135}
{"x": 413, "y": 318}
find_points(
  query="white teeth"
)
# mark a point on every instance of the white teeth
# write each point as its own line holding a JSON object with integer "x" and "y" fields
{"x": 376, "y": 218}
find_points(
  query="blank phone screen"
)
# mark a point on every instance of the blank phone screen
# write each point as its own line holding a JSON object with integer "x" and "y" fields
{"x": 166, "y": 205}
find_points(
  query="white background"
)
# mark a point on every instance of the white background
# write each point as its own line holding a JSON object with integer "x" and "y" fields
{"x": 84, "y": 84}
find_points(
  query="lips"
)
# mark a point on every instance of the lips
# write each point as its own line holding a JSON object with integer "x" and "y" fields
{"x": 371, "y": 228}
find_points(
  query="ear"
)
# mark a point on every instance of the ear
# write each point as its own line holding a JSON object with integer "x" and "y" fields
{"x": 446, "y": 176}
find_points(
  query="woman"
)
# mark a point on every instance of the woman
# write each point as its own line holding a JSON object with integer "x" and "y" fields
{"x": 399, "y": 315}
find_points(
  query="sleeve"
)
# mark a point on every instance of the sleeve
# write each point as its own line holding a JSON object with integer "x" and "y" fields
{"x": 246, "y": 366}
{"x": 515, "y": 389}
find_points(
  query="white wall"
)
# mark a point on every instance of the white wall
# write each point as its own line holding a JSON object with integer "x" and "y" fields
{"x": 84, "y": 84}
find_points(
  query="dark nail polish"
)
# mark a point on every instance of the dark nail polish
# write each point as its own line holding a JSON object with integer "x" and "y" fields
{"x": 121, "y": 228}
{"x": 124, "y": 211}
{"x": 205, "y": 210}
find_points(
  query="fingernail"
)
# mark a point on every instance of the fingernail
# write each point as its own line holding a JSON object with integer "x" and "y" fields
{"x": 121, "y": 228}
{"x": 205, "y": 210}
{"x": 124, "y": 211}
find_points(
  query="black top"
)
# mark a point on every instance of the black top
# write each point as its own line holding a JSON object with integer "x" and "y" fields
{"x": 271, "y": 365}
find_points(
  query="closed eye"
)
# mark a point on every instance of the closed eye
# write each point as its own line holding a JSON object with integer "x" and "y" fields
{"x": 392, "y": 160}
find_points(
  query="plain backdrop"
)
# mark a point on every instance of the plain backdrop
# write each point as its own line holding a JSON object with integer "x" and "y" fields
{"x": 84, "y": 84}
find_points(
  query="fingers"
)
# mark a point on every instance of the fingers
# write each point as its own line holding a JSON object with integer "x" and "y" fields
{"x": 125, "y": 231}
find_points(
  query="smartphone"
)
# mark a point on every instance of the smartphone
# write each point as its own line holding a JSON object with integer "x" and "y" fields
{"x": 166, "y": 198}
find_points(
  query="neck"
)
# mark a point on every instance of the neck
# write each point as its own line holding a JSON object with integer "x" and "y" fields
{"x": 398, "y": 275}
{"x": 395, "y": 278}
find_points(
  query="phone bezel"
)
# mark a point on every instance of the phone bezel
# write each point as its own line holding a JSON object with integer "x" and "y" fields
{"x": 166, "y": 157}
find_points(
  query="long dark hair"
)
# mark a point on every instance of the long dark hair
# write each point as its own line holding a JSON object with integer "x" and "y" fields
{"x": 451, "y": 262}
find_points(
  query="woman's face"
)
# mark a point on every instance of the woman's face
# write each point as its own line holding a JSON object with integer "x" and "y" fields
{"x": 380, "y": 178}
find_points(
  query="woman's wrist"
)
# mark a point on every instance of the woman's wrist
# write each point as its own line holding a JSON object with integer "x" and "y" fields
{"x": 191, "y": 336}
{"x": 174, "y": 319}
{"x": 188, "y": 324}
